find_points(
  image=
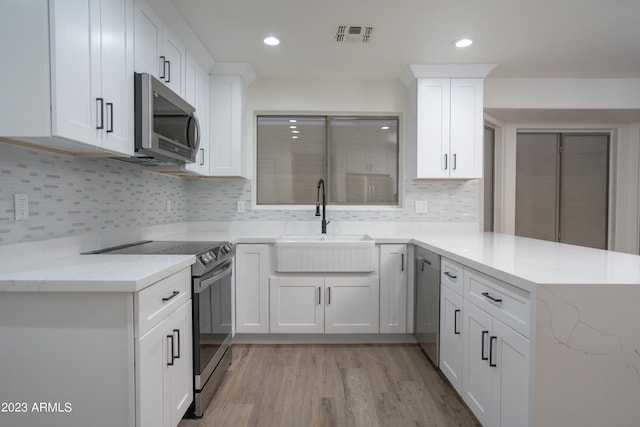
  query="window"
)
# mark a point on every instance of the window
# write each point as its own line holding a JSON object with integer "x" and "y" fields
{"x": 356, "y": 156}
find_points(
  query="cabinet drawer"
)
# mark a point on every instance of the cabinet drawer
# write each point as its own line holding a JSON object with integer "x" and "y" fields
{"x": 158, "y": 301}
{"x": 451, "y": 275}
{"x": 505, "y": 302}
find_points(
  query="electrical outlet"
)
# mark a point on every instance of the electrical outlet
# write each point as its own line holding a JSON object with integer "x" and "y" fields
{"x": 422, "y": 206}
{"x": 21, "y": 206}
{"x": 240, "y": 206}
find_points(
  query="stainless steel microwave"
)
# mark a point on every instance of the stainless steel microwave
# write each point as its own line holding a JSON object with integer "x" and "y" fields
{"x": 166, "y": 127}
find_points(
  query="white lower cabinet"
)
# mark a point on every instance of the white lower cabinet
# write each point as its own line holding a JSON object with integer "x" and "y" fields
{"x": 333, "y": 305}
{"x": 163, "y": 351}
{"x": 451, "y": 337}
{"x": 133, "y": 347}
{"x": 495, "y": 383}
{"x": 253, "y": 267}
{"x": 484, "y": 348}
{"x": 393, "y": 288}
{"x": 164, "y": 379}
{"x": 296, "y": 304}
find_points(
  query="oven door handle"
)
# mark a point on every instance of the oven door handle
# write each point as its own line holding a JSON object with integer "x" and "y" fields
{"x": 225, "y": 270}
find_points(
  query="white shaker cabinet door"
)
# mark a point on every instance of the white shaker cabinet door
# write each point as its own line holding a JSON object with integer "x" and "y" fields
{"x": 117, "y": 75}
{"x": 164, "y": 374}
{"x": 253, "y": 266}
{"x": 512, "y": 360}
{"x": 467, "y": 124}
{"x": 451, "y": 337}
{"x": 393, "y": 288}
{"x": 480, "y": 380}
{"x": 77, "y": 110}
{"x": 175, "y": 62}
{"x": 351, "y": 305}
{"x": 148, "y": 36}
{"x": 296, "y": 304}
{"x": 433, "y": 112}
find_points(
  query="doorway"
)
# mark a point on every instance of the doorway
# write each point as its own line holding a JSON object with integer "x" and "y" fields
{"x": 562, "y": 187}
{"x": 489, "y": 178}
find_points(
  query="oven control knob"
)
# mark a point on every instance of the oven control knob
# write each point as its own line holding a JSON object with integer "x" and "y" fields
{"x": 204, "y": 259}
{"x": 212, "y": 255}
{"x": 224, "y": 249}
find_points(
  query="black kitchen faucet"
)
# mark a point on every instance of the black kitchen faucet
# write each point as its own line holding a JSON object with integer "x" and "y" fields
{"x": 324, "y": 206}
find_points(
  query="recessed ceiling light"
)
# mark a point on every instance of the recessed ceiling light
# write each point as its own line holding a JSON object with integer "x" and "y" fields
{"x": 271, "y": 41}
{"x": 463, "y": 42}
{"x": 295, "y": 131}
{"x": 292, "y": 121}
{"x": 384, "y": 127}
{"x": 294, "y": 137}
{"x": 293, "y": 127}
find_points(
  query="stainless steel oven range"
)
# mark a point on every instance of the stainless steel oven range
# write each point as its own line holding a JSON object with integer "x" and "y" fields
{"x": 211, "y": 294}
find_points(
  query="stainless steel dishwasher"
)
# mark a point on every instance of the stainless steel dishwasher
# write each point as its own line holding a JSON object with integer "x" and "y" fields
{"x": 427, "y": 302}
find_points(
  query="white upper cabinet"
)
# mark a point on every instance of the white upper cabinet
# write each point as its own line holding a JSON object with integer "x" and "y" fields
{"x": 70, "y": 86}
{"x": 449, "y": 128}
{"x": 446, "y": 120}
{"x": 197, "y": 94}
{"x": 157, "y": 51}
{"x": 466, "y": 128}
{"x": 228, "y": 122}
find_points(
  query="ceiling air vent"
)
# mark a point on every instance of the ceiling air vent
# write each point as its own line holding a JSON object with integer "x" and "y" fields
{"x": 353, "y": 34}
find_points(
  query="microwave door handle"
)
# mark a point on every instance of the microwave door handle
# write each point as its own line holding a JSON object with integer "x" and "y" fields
{"x": 195, "y": 144}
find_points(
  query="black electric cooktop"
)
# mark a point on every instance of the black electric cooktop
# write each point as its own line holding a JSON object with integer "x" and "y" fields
{"x": 161, "y": 248}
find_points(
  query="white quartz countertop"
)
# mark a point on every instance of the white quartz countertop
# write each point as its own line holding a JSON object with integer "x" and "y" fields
{"x": 528, "y": 262}
{"x": 518, "y": 260}
{"x": 94, "y": 273}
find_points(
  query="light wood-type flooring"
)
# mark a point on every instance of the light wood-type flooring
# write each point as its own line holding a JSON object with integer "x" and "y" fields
{"x": 333, "y": 385}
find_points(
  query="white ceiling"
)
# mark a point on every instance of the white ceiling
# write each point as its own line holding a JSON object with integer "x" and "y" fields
{"x": 526, "y": 38}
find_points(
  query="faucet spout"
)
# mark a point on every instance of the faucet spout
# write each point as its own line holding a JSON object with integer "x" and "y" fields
{"x": 324, "y": 205}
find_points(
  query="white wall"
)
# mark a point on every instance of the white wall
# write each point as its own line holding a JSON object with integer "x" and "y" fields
{"x": 562, "y": 93}
{"x": 610, "y": 105}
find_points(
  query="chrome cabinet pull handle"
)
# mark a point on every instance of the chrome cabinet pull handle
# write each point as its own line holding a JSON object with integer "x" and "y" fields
{"x": 402, "y": 262}
{"x": 319, "y": 295}
{"x": 169, "y": 73}
{"x": 486, "y": 295}
{"x": 455, "y": 163}
{"x": 173, "y": 295}
{"x": 445, "y": 162}
{"x": 455, "y": 322}
{"x": 452, "y": 276}
{"x": 202, "y": 162}
{"x": 329, "y": 299}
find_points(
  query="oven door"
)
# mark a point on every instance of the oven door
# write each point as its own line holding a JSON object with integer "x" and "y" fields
{"x": 211, "y": 321}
